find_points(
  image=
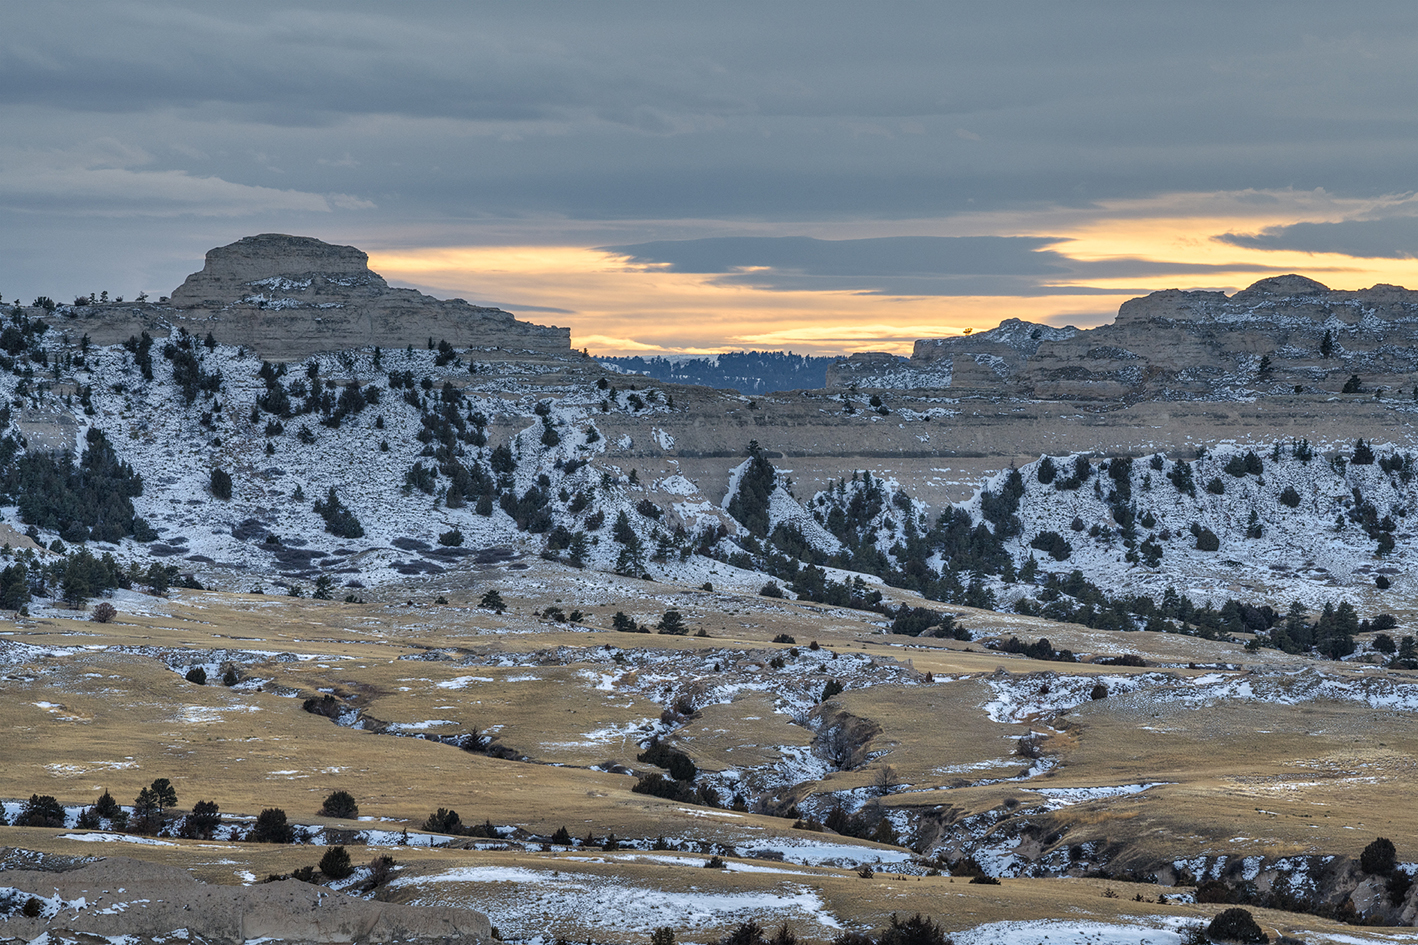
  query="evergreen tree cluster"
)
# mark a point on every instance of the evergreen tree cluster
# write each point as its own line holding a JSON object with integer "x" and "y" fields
{"x": 676, "y": 762}
{"x": 141, "y": 347}
{"x": 1001, "y": 508}
{"x": 486, "y": 480}
{"x": 79, "y": 575}
{"x": 90, "y": 500}
{"x": 1381, "y": 529}
{"x": 1248, "y": 465}
{"x": 1054, "y": 544}
{"x": 330, "y": 401}
{"x": 339, "y": 520}
{"x": 683, "y": 792}
{"x": 448, "y": 821}
{"x": 749, "y": 505}
{"x": 1331, "y": 634}
{"x": 1040, "y": 649}
{"x": 188, "y": 373}
{"x": 748, "y": 372}
{"x": 22, "y": 337}
{"x": 917, "y": 930}
{"x": 922, "y": 621}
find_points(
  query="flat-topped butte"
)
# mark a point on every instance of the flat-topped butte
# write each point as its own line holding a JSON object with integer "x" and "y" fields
{"x": 288, "y": 297}
{"x": 1179, "y": 345}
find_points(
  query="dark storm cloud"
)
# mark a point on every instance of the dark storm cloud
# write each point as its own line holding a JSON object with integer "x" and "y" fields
{"x": 1391, "y": 238}
{"x": 905, "y": 265}
{"x": 386, "y": 119}
{"x": 629, "y": 110}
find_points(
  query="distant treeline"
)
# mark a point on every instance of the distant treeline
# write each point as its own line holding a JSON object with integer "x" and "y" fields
{"x": 748, "y": 372}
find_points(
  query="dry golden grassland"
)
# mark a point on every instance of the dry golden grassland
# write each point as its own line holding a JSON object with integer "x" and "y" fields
{"x": 573, "y": 895}
{"x": 1234, "y": 775}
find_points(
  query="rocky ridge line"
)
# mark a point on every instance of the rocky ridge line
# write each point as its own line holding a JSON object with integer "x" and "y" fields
{"x": 1178, "y": 345}
{"x": 288, "y": 297}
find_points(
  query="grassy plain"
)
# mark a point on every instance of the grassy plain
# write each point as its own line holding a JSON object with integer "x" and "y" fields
{"x": 1236, "y": 769}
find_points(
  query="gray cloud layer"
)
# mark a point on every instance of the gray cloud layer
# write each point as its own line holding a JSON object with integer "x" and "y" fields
{"x": 904, "y": 265}
{"x": 385, "y": 123}
{"x": 1391, "y": 238}
{"x": 886, "y": 256}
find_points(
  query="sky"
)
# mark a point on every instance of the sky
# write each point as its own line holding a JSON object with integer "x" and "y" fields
{"x": 692, "y": 177}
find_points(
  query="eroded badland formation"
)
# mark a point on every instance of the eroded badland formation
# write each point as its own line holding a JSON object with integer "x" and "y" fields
{"x": 1116, "y": 619}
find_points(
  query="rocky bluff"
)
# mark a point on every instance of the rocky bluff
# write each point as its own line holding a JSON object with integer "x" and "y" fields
{"x": 288, "y": 297}
{"x": 1180, "y": 345}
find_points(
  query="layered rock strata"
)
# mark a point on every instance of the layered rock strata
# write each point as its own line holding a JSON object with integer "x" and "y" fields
{"x": 1182, "y": 345}
{"x": 287, "y": 297}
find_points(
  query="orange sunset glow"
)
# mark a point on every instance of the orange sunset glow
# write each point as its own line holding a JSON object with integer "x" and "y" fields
{"x": 614, "y": 305}
{"x": 682, "y": 179}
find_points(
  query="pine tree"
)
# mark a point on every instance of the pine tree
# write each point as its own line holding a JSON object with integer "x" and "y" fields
{"x": 165, "y": 793}
{"x": 1236, "y": 925}
{"x": 340, "y": 804}
{"x": 339, "y": 520}
{"x": 631, "y": 559}
{"x": 672, "y": 623}
{"x": 749, "y": 505}
{"x": 14, "y": 586}
{"x": 203, "y": 822}
{"x": 41, "y": 810}
{"x": 1407, "y": 657}
{"x": 336, "y": 863}
{"x": 106, "y": 806}
{"x": 147, "y": 813}
{"x": 1327, "y": 344}
{"x": 221, "y": 483}
{"x": 577, "y": 550}
{"x": 1334, "y": 631}
{"x": 444, "y": 820}
{"x": 549, "y": 435}
{"x": 271, "y": 827}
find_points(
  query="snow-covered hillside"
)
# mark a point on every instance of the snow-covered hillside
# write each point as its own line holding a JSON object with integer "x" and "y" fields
{"x": 281, "y": 466}
{"x": 447, "y": 459}
{"x": 1313, "y": 550}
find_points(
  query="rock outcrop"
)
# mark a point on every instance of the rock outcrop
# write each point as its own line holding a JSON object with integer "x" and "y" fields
{"x": 1180, "y": 345}
{"x": 146, "y": 901}
{"x": 280, "y": 265}
{"x": 879, "y": 370}
{"x": 288, "y": 297}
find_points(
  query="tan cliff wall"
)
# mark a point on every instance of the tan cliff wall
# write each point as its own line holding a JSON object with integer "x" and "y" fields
{"x": 287, "y": 297}
{"x": 1178, "y": 344}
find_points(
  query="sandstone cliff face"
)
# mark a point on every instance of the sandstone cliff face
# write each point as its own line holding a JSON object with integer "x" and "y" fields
{"x": 288, "y": 297}
{"x": 272, "y": 261}
{"x": 882, "y": 371}
{"x": 1176, "y": 345}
